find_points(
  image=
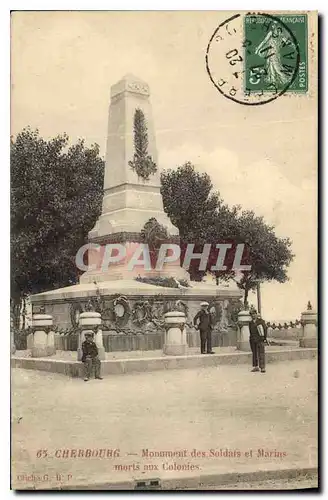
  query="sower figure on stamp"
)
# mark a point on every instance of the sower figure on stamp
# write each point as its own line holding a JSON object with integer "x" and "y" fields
{"x": 90, "y": 358}
{"x": 257, "y": 339}
{"x": 204, "y": 323}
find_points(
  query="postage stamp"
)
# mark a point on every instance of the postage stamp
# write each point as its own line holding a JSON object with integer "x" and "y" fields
{"x": 254, "y": 58}
{"x": 271, "y": 62}
{"x": 164, "y": 260}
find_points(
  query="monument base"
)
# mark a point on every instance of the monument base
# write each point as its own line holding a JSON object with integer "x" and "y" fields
{"x": 243, "y": 346}
{"x": 50, "y": 350}
{"x": 39, "y": 352}
{"x": 130, "y": 308}
{"x": 101, "y": 353}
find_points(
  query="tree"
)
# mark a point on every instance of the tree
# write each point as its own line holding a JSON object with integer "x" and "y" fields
{"x": 142, "y": 162}
{"x": 269, "y": 256}
{"x": 202, "y": 217}
{"x": 197, "y": 211}
{"x": 56, "y": 195}
{"x": 189, "y": 201}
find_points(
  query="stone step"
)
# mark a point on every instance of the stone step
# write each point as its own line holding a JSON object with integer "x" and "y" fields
{"x": 121, "y": 366}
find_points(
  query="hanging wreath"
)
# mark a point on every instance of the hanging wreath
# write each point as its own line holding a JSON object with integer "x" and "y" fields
{"x": 75, "y": 310}
{"x": 233, "y": 308}
{"x": 181, "y": 306}
{"x": 215, "y": 309}
{"x": 142, "y": 162}
{"x": 142, "y": 312}
{"x": 121, "y": 311}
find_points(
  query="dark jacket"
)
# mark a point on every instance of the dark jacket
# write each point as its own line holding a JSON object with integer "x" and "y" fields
{"x": 254, "y": 333}
{"x": 89, "y": 349}
{"x": 205, "y": 320}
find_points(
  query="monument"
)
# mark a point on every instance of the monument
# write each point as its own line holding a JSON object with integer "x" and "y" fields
{"x": 131, "y": 199}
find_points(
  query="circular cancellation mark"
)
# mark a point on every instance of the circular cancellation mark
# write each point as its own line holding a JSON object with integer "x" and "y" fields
{"x": 252, "y": 59}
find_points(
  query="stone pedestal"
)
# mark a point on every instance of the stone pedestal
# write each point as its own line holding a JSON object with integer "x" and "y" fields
{"x": 309, "y": 335}
{"x": 51, "y": 349}
{"x": 29, "y": 341}
{"x": 175, "y": 343}
{"x": 243, "y": 337}
{"x": 90, "y": 322}
{"x": 99, "y": 343}
{"x": 42, "y": 326}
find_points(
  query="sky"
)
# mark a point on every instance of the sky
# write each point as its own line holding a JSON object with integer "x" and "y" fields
{"x": 261, "y": 157}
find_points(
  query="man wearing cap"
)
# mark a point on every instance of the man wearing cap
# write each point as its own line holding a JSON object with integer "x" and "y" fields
{"x": 204, "y": 323}
{"x": 257, "y": 339}
{"x": 90, "y": 358}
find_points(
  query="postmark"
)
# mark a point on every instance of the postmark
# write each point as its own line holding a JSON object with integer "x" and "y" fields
{"x": 255, "y": 58}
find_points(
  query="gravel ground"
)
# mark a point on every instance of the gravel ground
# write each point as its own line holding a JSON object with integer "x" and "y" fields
{"x": 303, "y": 482}
{"x": 215, "y": 408}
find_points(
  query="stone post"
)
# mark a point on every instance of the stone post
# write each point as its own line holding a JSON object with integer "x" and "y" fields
{"x": 175, "y": 343}
{"x": 51, "y": 349}
{"x": 42, "y": 326}
{"x": 243, "y": 338}
{"x": 309, "y": 329}
{"x": 90, "y": 322}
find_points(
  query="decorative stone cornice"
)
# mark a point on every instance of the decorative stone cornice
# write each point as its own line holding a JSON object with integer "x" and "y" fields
{"x": 128, "y": 237}
{"x": 132, "y": 84}
{"x": 46, "y": 329}
{"x": 181, "y": 326}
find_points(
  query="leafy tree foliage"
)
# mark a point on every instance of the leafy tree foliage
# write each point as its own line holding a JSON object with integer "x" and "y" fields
{"x": 202, "y": 217}
{"x": 197, "y": 211}
{"x": 56, "y": 195}
{"x": 269, "y": 255}
{"x": 189, "y": 201}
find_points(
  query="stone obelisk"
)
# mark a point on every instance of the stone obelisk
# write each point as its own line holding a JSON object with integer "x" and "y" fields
{"x": 129, "y": 201}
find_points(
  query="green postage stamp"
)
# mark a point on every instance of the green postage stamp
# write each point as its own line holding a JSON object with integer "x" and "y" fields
{"x": 275, "y": 53}
{"x": 254, "y": 58}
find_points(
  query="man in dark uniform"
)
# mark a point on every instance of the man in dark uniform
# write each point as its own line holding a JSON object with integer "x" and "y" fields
{"x": 257, "y": 339}
{"x": 90, "y": 358}
{"x": 204, "y": 323}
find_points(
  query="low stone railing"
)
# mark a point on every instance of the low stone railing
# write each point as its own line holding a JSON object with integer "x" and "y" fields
{"x": 308, "y": 330}
{"x": 42, "y": 337}
{"x": 283, "y": 326}
{"x": 41, "y": 341}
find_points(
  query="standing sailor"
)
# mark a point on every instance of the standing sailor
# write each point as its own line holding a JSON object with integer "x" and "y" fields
{"x": 204, "y": 323}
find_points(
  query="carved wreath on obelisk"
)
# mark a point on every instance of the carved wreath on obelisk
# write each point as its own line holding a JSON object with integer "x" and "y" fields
{"x": 142, "y": 162}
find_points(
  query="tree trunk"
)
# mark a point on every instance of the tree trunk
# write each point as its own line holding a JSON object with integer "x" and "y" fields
{"x": 15, "y": 307}
{"x": 246, "y": 297}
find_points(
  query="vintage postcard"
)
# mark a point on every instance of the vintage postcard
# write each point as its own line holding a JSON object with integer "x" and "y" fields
{"x": 164, "y": 313}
